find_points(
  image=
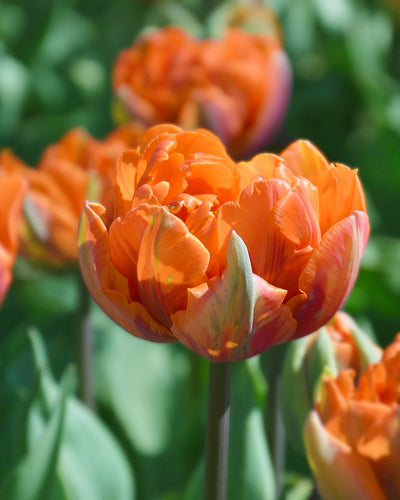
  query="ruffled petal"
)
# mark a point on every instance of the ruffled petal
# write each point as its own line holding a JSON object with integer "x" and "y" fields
{"x": 340, "y": 473}
{"x": 108, "y": 288}
{"x": 218, "y": 319}
{"x": 331, "y": 272}
{"x": 273, "y": 321}
{"x": 170, "y": 261}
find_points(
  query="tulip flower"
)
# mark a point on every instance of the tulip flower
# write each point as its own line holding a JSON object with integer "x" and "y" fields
{"x": 69, "y": 172}
{"x": 227, "y": 258}
{"x": 337, "y": 346}
{"x": 237, "y": 86}
{"x": 353, "y": 436}
{"x": 12, "y": 191}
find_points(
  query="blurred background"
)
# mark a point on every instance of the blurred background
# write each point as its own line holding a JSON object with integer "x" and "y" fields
{"x": 55, "y": 62}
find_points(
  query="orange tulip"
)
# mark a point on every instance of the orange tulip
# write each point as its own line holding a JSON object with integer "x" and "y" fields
{"x": 12, "y": 191}
{"x": 238, "y": 86}
{"x": 337, "y": 346}
{"x": 227, "y": 258}
{"x": 353, "y": 436}
{"x": 72, "y": 170}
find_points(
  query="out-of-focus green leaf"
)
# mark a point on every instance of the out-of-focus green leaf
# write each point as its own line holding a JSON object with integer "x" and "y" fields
{"x": 167, "y": 13}
{"x": 297, "y": 487}
{"x": 142, "y": 382}
{"x": 155, "y": 393}
{"x": 250, "y": 470}
{"x": 14, "y": 87}
{"x": 90, "y": 465}
{"x": 34, "y": 475}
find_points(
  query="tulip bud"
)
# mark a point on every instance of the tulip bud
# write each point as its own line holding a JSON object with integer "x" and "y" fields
{"x": 338, "y": 345}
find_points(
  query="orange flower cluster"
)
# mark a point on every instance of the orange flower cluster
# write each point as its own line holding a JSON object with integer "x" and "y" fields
{"x": 72, "y": 170}
{"x": 353, "y": 438}
{"x": 238, "y": 86}
{"x": 227, "y": 258}
{"x": 12, "y": 190}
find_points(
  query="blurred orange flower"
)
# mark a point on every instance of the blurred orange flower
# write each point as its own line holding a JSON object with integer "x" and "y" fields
{"x": 227, "y": 258}
{"x": 237, "y": 86}
{"x": 74, "y": 169}
{"x": 353, "y": 437}
{"x": 12, "y": 191}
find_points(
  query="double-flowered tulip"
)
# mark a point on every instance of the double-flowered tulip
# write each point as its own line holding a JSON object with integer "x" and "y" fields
{"x": 12, "y": 191}
{"x": 338, "y": 345}
{"x": 227, "y": 258}
{"x": 70, "y": 171}
{"x": 237, "y": 86}
{"x": 353, "y": 436}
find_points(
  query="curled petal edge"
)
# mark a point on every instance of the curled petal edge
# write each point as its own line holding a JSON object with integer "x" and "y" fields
{"x": 99, "y": 275}
{"x": 340, "y": 472}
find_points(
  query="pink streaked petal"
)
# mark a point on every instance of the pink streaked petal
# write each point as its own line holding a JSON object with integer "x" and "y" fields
{"x": 170, "y": 261}
{"x": 340, "y": 473}
{"x": 273, "y": 321}
{"x": 218, "y": 319}
{"x": 100, "y": 276}
{"x": 274, "y": 106}
{"x": 331, "y": 272}
{"x": 297, "y": 215}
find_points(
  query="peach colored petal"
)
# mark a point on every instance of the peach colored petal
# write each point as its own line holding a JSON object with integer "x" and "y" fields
{"x": 340, "y": 473}
{"x": 273, "y": 322}
{"x": 331, "y": 272}
{"x": 304, "y": 159}
{"x": 218, "y": 318}
{"x": 170, "y": 261}
{"x": 99, "y": 275}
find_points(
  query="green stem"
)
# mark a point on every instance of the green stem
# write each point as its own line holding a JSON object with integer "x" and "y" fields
{"x": 217, "y": 441}
{"x": 274, "y": 424}
{"x": 85, "y": 347}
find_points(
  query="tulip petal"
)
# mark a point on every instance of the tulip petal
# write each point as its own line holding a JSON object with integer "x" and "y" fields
{"x": 218, "y": 319}
{"x": 170, "y": 261}
{"x": 108, "y": 288}
{"x": 273, "y": 321}
{"x": 273, "y": 106}
{"x": 305, "y": 160}
{"x": 381, "y": 444}
{"x": 340, "y": 473}
{"x": 331, "y": 272}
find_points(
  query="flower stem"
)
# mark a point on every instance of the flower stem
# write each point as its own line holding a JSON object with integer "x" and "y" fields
{"x": 217, "y": 441}
{"x": 274, "y": 424}
{"x": 85, "y": 347}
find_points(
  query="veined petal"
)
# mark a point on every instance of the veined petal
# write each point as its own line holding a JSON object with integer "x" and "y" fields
{"x": 304, "y": 159}
{"x": 381, "y": 444}
{"x": 340, "y": 473}
{"x": 331, "y": 272}
{"x": 273, "y": 106}
{"x": 170, "y": 261}
{"x": 218, "y": 320}
{"x": 273, "y": 322}
{"x": 108, "y": 288}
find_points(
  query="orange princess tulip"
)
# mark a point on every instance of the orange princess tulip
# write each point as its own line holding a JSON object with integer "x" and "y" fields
{"x": 68, "y": 173}
{"x": 227, "y": 258}
{"x": 238, "y": 86}
{"x": 353, "y": 436}
{"x": 12, "y": 191}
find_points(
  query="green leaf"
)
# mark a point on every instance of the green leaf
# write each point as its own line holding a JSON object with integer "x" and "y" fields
{"x": 142, "y": 382}
{"x": 32, "y": 478}
{"x": 250, "y": 473}
{"x": 91, "y": 465}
